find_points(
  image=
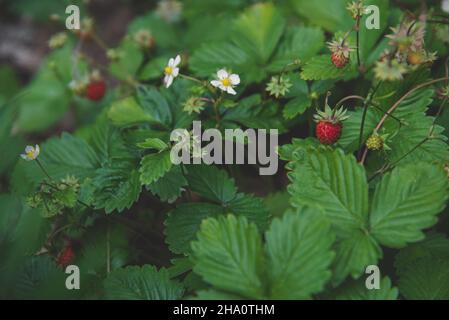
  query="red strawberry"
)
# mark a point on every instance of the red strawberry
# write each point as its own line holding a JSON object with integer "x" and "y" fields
{"x": 66, "y": 256}
{"x": 329, "y": 124}
{"x": 96, "y": 90}
{"x": 328, "y": 132}
{"x": 339, "y": 60}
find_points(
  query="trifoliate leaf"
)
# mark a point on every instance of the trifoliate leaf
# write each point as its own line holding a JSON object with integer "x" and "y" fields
{"x": 229, "y": 255}
{"x": 336, "y": 183}
{"x": 299, "y": 256}
{"x": 141, "y": 283}
{"x": 154, "y": 166}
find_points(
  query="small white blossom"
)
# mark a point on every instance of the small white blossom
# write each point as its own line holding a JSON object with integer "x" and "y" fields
{"x": 171, "y": 71}
{"x": 226, "y": 81}
{"x": 445, "y": 6}
{"x": 31, "y": 153}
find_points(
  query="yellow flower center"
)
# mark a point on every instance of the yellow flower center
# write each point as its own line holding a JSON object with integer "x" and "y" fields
{"x": 226, "y": 82}
{"x": 168, "y": 70}
{"x": 30, "y": 154}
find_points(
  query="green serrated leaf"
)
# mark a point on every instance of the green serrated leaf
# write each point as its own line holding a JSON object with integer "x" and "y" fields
{"x": 298, "y": 248}
{"x": 434, "y": 246}
{"x": 211, "y": 57}
{"x": 127, "y": 112}
{"x": 155, "y": 104}
{"x": 170, "y": 186}
{"x": 229, "y": 255}
{"x": 299, "y": 43}
{"x": 296, "y": 107}
{"x": 329, "y": 14}
{"x": 211, "y": 183}
{"x": 153, "y": 143}
{"x": 420, "y": 194}
{"x": 142, "y": 283}
{"x": 258, "y": 30}
{"x": 184, "y": 222}
{"x": 356, "y": 290}
{"x": 154, "y": 166}
{"x": 336, "y": 183}
{"x": 425, "y": 279}
{"x": 321, "y": 68}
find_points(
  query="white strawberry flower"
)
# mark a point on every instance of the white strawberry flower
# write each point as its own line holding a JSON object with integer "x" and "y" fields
{"x": 226, "y": 81}
{"x": 31, "y": 153}
{"x": 171, "y": 71}
{"x": 445, "y": 6}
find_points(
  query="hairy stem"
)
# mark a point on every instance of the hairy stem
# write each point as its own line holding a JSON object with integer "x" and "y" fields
{"x": 365, "y": 111}
{"x": 393, "y": 108}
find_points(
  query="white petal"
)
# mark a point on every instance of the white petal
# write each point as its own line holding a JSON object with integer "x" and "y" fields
{"x": 24, "y": 156}
{"x": 222, "y": 87}
{"x": 29, "y": 149}
{"x": 231, "y": 91}
{"x": 175, "y": 72}
{"x": 177, "y": 60}
{"x": 222, "y": 74}
{"x": 215, "y": 83}
{"x": 37, "y": 150}
{"x": 168, "y": 81}
{"x": 235, "y": 79}
{"x": 171, "y": 62}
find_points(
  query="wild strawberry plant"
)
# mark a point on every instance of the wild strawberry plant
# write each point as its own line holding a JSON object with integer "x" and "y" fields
{"x": 362, "y": 118}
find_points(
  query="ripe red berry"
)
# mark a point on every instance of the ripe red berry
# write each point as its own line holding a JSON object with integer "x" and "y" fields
{"x": 329, "y": 124}
{"x": 339, "y": 60}
{"x": 66, "y": 256}
{"x": 96, "y": 90}
{"x": 328, "y": 132}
